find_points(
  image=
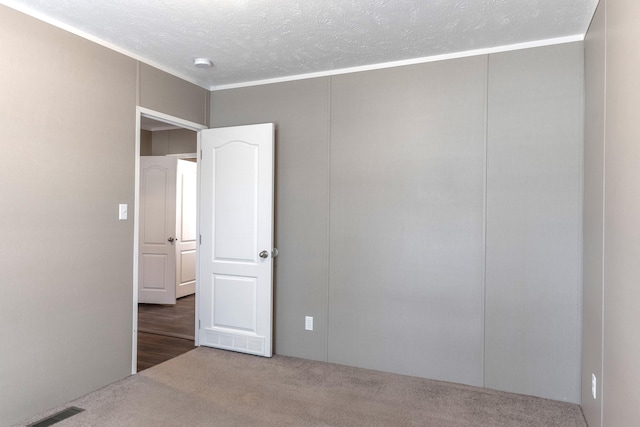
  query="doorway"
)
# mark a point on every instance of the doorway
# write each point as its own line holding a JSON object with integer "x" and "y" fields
{"x": 162, "y": 331}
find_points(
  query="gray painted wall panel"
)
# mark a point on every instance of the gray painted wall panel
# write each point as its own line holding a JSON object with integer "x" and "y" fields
{"x": 170, "y": 95}
{"x": 67, "y": 273}
{"x": 621, "y": 393}
{"x": 611, "y": 314}
{"x": 146, "y": 142}
{"x": 406, "y": 253}
{"x": 175, "y": 141}
{"x": 406, "y": 205}
{"x": 593, "y": 217}
{"x": 66, "y": 262}
{"x": 534, "y": 222}
{"x": 300, "y": 110}
{"x": 401, "y": 273}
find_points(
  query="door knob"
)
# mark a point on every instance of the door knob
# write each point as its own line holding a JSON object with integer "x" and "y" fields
{"x": 264, "y": 254}
{"x": 170, "y": 239}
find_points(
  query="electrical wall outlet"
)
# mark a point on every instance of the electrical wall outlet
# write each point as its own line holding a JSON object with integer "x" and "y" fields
{"x": 122, "y": 211}
{"x": 593, "y": 385}
{"x": 308, "y": 323}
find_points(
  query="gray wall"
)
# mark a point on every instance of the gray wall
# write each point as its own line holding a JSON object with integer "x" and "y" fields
{"x": 406, "y": 262}
{"x": 146, "y": 142}
{"x": 301, "y": 111}
{"x": 66, "y": 262}
{"x": 593, "y": 216}
{"x": 167, "y": 94}
{"x": 622, "y": 211}
{"x": 175, "y": 141}
{"x": 612, "y": 174}
{"x": 534, "y": 227}
{"x": 386, "y": 186}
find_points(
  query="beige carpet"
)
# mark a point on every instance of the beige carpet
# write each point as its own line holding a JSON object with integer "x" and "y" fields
{"x": 207, "y": 387}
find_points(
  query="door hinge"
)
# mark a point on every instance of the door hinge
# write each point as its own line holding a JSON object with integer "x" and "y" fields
{"x": 201, "y": 239}
{"x": 199, "y": 324}
{"x": 200, "y": 154}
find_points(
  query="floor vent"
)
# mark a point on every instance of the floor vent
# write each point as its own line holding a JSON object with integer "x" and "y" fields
{"x": 56, "y": 418}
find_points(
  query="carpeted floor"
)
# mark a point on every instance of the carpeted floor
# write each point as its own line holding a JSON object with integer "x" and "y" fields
{"x": 207, "y": 387}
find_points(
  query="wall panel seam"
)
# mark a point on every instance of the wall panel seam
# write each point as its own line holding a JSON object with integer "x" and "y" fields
{"x": 484, "y": 219}
{"x": 329, "y": 81}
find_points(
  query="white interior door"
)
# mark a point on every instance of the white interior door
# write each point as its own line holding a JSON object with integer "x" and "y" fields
{"x": 236, "y": 227}
{"x": 186, "y": 190}
{"x": 157, "y": 267}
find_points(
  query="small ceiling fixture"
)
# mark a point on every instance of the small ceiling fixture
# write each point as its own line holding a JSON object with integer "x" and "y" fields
{"x": 202, "y": 63}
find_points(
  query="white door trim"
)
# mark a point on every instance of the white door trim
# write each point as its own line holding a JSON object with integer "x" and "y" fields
{"x": 185, "y": 124}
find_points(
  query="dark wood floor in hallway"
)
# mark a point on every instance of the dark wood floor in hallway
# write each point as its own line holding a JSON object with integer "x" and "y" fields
{"x": 165, "y": 331}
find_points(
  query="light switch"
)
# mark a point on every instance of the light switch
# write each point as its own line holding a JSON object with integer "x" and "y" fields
{"x": 122, "y": 211}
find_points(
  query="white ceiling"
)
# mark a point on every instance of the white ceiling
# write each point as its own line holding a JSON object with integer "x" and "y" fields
{"x": 257, "y": 40}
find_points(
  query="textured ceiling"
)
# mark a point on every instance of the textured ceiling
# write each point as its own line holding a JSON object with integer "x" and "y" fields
{"x": 253, "y": 40}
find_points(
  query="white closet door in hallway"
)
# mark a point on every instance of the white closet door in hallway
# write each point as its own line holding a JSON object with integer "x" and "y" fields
{"x": 167, "y": 257}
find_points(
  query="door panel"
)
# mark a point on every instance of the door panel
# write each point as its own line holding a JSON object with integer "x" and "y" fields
{"x": 234, "y": 301}
{"x": 236, "y": 214}
{"x": 156, "y": 280}
{"x": 236, "y": 202}
{"x": 154, "y": 267}
{"x": 186, "y": 192}
{"x": 187, "y": 267}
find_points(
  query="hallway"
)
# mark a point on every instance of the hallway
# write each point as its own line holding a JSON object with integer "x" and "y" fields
{"x": 165, "y": 331}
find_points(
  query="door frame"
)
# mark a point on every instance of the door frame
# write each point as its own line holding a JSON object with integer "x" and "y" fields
{"x": 184, "y": 124}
